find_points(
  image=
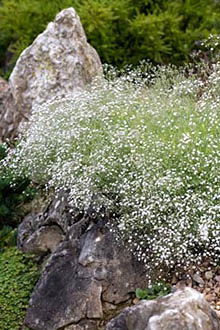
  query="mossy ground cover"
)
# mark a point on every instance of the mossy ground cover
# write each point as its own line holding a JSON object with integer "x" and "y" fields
{"x": 18, "y": 275}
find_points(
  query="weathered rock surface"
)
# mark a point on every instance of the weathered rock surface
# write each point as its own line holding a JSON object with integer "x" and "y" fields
{"x": 6, "y": 102}
{"x": 59, "y": 61}
{"x": 86, "y": 279}
{"x": 3, "y": 94}
{"x": 3, "y": 87}
{"x": 183, "y": 310}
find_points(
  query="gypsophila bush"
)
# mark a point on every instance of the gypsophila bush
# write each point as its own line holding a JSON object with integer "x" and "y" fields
{"x": 144, "y": 146}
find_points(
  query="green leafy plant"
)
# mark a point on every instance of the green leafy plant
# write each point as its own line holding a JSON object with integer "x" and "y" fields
{"x": 156, "y": 290}
{"x": 18, "y": 275}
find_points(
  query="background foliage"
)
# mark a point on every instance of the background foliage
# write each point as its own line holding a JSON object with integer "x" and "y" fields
{"x": 8, "y": 237}
{"x": 14, "y": 192}
{"x": 122, "y": 31}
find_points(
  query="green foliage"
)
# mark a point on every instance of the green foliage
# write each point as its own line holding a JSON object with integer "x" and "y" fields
{"x": 3, "y": 151}
{"x": 152, "y": 292}
{"x": 122, "y": 31}
{"x": 8, "y": 237}
{"x": 14, "y": 191}
{"x": 18, "y": 275}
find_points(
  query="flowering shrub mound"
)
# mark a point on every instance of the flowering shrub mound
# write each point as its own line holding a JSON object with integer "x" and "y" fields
{"x": 149, "y": 152}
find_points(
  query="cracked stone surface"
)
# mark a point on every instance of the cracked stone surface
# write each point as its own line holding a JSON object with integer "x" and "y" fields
{"x": 87, "y": 276}
{"x": 58, "y": 62}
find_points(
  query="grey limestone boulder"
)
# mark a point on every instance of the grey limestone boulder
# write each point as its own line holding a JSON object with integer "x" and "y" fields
{"x": 59, "y": 61}
{"x": 185, "y": 309}
{"x": 87, "y": 277}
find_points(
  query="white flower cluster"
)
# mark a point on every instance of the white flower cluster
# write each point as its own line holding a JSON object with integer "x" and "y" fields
{"x": 144, "y": 146}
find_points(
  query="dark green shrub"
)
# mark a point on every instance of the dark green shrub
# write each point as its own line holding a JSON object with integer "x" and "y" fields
{"x": 3, "y": 152}
{"x": 18, "y": 275}
{"x": 122, "y": 31}
{"x": 14, "y": 191}
{"x": 8, "y": 237}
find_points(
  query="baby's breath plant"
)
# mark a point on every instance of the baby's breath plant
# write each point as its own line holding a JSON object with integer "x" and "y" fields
{"x": 143, "y": 146}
